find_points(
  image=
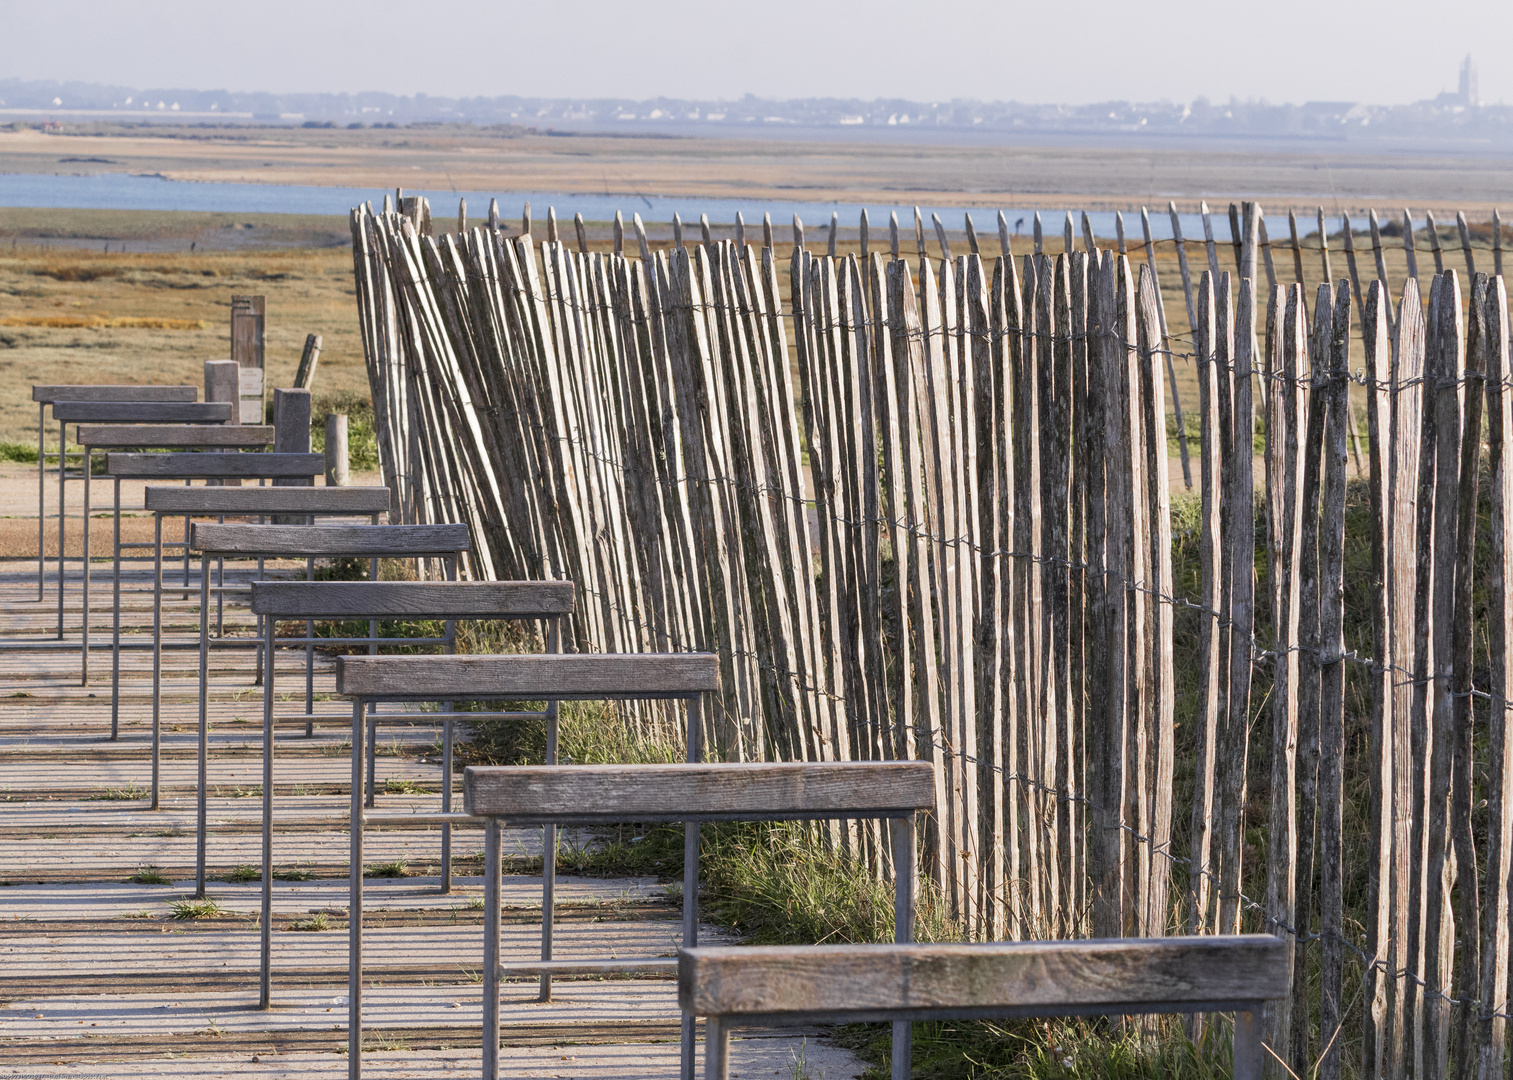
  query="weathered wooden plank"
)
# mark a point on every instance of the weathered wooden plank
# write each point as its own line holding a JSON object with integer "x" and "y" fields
{"x": 1210, "y": 543}
{"x": 172, "y": 436}
{"x": 1029, "y": 975}
{"x": 267, "y": 500}
{"x": 566, "y": 676}
{"x": 1332, "y": 696}
{"x": 580, "y": 794}
{"x": 1162, "y": 747}
{"x": 47, "y": 393}
{"x": 1494, "y": 944}
{"x": 213, "y": 466}
{"x": 1378, "y": 342}
{"x": 1447, "y": 348}
{"x": 143, "y": 412}
{"x": 418, "y": 599}
{"x": 1463, "y": 773}
{"x": 1166, "y": 350}
{"x": 317, "y": 541}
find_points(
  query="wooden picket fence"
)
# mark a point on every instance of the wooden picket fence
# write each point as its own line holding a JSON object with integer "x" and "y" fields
{"x": 921, "y": 509}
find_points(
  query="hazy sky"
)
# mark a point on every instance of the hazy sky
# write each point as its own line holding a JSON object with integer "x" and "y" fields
{"x": 1050, "y": 50}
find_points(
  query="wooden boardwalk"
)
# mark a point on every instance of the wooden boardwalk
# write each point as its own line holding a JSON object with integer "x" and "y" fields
{"x": 98, "y": 978}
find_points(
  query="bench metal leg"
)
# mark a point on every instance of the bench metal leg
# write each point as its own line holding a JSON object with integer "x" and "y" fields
{"x": 354, "y": 906}
{"x": 62, "y": 491}
{"x": 1247, "y": 1047}
{"x": 905, "y": 868}
{"x": 446, "y": 802}
{"x": 265, "y": 984}
{"x": 716, "y": 1048}
{"x": 309, "y": 662}
{"x": 491, "y": 949}
{"x": 204, "y": 734}
{"x": 157, "y": 649}
{"x": 549, "y": 834}
{"x": 371, "y": 751}
{"x": 691, "y": 908}
{"x": 115, "y": 623}
{"x": 41, "y": 501}
{"x": 84, "y": 566}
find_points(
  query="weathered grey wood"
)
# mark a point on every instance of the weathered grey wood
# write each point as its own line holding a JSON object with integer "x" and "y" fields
{"x": 1039, "y": 235}
{"x": 417, "y": 599}
{"x": 583, "y": 794}
{"x": 1377, "y": 339}
{"x": 247, "y": 349}
{"x": 1297, "y": 247}
{"x": 1463, "y": 773}
{"x": 940, "y": 238}
{"x": 1433, "y": 230}
{"x": 1465, "y": 243}
{"x": 213, "y": 466}
{"x": 1332, "y": 695}
{"x": 564, "y": 676}
{"x": 142, "y": 412}
{"x": 318, "y": 541}
{"x": 47, "y": 393}
{"x": 1497, "y": 242}
{"x": 1004, "y": 978}
{"x": 267, "y": 500}
{"x": 1166, "y": 346}
{"x": 1408, "y": 249}
{"x": 174, "y": 436}
{"x": 338, "y": 473}
{"x": 223, "y": 382}
{"x": 1324, "y": 247}
{"x": 1494, "y": 945}
{"x": 309, "y": 358}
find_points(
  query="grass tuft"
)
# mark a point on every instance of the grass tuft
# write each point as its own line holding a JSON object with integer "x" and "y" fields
{"x": 246, "y": 872}
{"x": 196, "y": 909}
{"x": 148, "y": 875}
{"x": 314, "y": 924}
{"x": 395, "y": 869}
{"x": 129, "y": 793}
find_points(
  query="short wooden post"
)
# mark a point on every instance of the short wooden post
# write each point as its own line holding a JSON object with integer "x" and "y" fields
{"x": 337, "y": 474}
{"x": 247, "y": 350}
{"x": 222, "y": 384}
{"x": 305, "y": 376}
{"x": 291, "y": 435}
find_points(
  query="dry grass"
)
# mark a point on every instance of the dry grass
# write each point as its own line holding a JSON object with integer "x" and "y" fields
{"x": 89, "y": 317}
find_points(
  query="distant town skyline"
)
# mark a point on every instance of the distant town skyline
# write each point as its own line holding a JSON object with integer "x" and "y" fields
{"x": 1072, "y": 53}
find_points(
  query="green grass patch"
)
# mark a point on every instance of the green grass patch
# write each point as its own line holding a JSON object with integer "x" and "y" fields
{"x": 395, "y": 869}
{"x": 148, "y": 875}
{"x": 314, "y": 924}
{"x": 19, "y": 452}
{"x": 246, "y": 872}
{"x": 292, "y": 873}
{"x": 196, "y": 909}
{"x": 128, "y": 793}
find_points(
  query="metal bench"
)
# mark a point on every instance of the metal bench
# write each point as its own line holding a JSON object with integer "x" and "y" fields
{"x": 449, "y": 600}
{"x": 308, "y": 542}
{"x": 184, "y": 466}
{"x": 845, "y": 984}
{"x": 45, "y": 395}
{"x": 235, "y": 501}
{"x": 692, "y": 793}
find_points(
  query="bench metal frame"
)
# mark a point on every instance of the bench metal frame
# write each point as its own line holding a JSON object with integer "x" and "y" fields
{"x": 309, "y": 502}
{"x": 95, "y": 438}
{"x": 44, "y": 395}
{"x": 904, "y": 984}
{"x": 444, "y": 542}
{"x": 592, "y": 795}
{"x": 552, "y": 602}
{"x": 92, "y": 409}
